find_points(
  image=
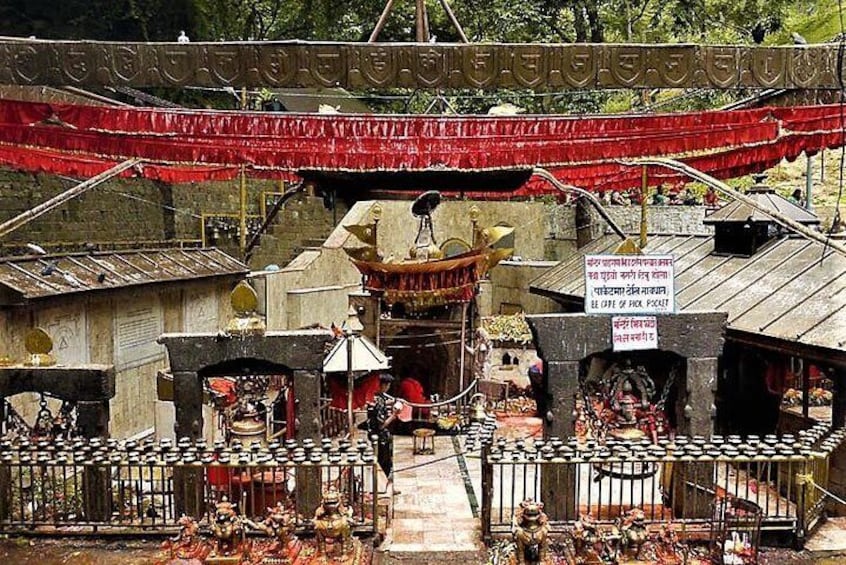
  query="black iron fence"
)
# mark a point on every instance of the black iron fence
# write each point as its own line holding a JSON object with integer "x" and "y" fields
{"x": 110, "y": 486}
{"x": 674, "y": 480}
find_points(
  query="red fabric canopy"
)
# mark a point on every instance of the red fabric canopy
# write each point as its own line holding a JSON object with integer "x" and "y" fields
{"x": 190, "y": 145}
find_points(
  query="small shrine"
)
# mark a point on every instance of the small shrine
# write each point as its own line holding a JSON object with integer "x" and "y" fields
{"x": 421, "y": 306}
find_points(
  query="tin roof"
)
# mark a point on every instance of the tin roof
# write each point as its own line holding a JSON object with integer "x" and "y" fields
{"x": 29, "y": 277}
{"x": 791, "y": 289}
{"x": 766, "y": 198}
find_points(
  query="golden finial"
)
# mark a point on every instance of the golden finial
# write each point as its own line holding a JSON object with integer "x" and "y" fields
{"x": 38, "y": 347}
{"x": 474, "y": 213}
{"x": 376, "y": 212}
{"x": 244, "y": 302}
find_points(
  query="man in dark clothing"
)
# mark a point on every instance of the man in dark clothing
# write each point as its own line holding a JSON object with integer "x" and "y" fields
{"x": 382, "y": 414}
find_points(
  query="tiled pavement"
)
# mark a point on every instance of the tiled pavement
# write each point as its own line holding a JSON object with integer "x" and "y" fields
{"x": 433, "y": 512}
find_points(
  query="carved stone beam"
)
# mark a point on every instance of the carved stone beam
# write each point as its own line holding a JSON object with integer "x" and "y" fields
{"x": 416, "y": 65}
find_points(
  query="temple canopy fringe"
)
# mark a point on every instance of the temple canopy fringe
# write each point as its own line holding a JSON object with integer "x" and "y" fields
{"x": 191, "y": 145}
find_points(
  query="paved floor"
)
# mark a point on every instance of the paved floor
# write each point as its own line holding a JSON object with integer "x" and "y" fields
{"x": 435, "y": 510}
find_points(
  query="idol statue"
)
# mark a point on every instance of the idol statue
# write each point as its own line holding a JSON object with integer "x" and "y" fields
{"x": 633, "y": 531}
{"x": 332, "y": 522}
{"x": 531, "y": 533}
{"x": 279, "y": 524}
{"x": 227, "y": 529}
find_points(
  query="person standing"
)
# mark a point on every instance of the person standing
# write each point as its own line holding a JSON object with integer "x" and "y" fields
{"x": 382, "y": 415}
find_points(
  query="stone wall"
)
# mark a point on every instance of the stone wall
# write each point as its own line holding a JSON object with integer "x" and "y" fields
{"x": 509, "y": 286}
{"x": 132, "y": 212}
{"x": 84, "y": 329}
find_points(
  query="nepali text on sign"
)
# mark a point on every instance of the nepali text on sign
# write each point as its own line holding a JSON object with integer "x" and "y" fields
{"x": 629, "y": 284}
{"x": 630, "y": 333}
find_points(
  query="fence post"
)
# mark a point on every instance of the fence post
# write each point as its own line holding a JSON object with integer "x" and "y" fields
{"x": 487, "y": 494}
{"x": 5, "y": 491}
{"x": 801, "y": 506}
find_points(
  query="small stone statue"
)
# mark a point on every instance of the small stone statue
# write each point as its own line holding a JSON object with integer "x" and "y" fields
{"x": 279, "y": 524}
{"x": 332, "y": 522}
{"x": 633, "y": 531}
{"x": 187, "y": 544}
{"x": 531, "y": 533}
{"x": 587, "y": 540}
{"x": 227, "y": 529}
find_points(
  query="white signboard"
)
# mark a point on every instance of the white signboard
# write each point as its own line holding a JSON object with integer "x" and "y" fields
{"x": 629, "y": 284}
{"x": 67, "y": 327}
{"x": 629, "y": 333}
{"x": 137, "y": 326}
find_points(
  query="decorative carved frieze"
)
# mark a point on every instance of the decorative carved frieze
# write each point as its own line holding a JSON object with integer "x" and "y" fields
{"x": 381, "y": 65}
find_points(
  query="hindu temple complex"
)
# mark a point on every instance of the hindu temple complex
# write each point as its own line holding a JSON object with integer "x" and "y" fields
{"x": 308, "y": 332}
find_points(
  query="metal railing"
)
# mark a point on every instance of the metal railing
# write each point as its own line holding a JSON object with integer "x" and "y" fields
{"x": 676, "y": 480}
{"x": 333, "y": 421}
{"x": 121, "y": 487}
{"x": 454, "y": 407}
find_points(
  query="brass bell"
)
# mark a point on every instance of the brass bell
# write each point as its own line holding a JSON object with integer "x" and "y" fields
{"x": 477, "y": 408}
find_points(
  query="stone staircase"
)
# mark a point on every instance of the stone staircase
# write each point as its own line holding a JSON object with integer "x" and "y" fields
{"x": 303, "y": 222}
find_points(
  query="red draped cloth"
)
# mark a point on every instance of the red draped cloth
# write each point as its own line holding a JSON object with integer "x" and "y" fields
{"x": 363, "y": 393}
{"x": 586, "y": 151}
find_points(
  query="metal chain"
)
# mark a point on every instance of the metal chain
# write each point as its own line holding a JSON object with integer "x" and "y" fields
{"x": 671, "y": 378}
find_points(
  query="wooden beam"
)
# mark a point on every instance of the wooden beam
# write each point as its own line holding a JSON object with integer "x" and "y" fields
{"x": 416, "y": 65}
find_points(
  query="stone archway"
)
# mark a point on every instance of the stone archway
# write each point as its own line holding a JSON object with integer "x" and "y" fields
{"x": 193, "y": 356}
{"x": 565, "y": 341}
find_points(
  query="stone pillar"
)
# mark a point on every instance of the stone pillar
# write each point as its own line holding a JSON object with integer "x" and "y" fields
{"x": 562, "y": 384}
{"x": 188, "y": 402}
{"x": 93, "y": 421}
{"x": 698, "y": 397}
{"x": 92, "y": 418}
{"x": 837, "y": 464}
{"x": 692, "y": 482}
{"x": 308, "y": 481}
{"x": 584, "y": 222}
{"x": 558, "y": 482}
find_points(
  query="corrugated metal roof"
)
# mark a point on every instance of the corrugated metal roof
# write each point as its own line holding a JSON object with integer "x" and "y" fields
{"x": 789, "y": 290}
{"x": 737, "y": 211}
{"x": 49, "y": 275}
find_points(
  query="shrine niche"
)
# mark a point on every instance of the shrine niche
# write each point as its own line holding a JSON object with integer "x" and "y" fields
{"x": 634, "y": 396}
{"x": 249, "y": 356}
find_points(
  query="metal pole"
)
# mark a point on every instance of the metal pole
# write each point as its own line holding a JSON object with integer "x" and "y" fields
{"x": 378, "y": 320}
{"x": 11, "y": 225}
{"x": 644, "y": 197}
{"x": 463, "y": 336}
{"x": 350, "y": 385}
{"x": 809, "y": 183}
{"x": 243, "y": 212}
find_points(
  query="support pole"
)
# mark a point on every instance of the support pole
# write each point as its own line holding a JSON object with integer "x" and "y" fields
{"x": 644, "y": 206}
{"x": 350, "y": 386}
{"x": 729, "y": 191}
{"x": 463, "y": 349}
{"x": 381, "y": 23}
{"x": 454, "y": 21}
{"x": 421, "y": 26}
{"x": 242, "y": 212}
{"x": 11, "y": 225}
{"x": 809, "y": 183}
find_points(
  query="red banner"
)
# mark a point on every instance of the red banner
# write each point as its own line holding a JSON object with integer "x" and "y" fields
{"x": 191, "y": 145}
